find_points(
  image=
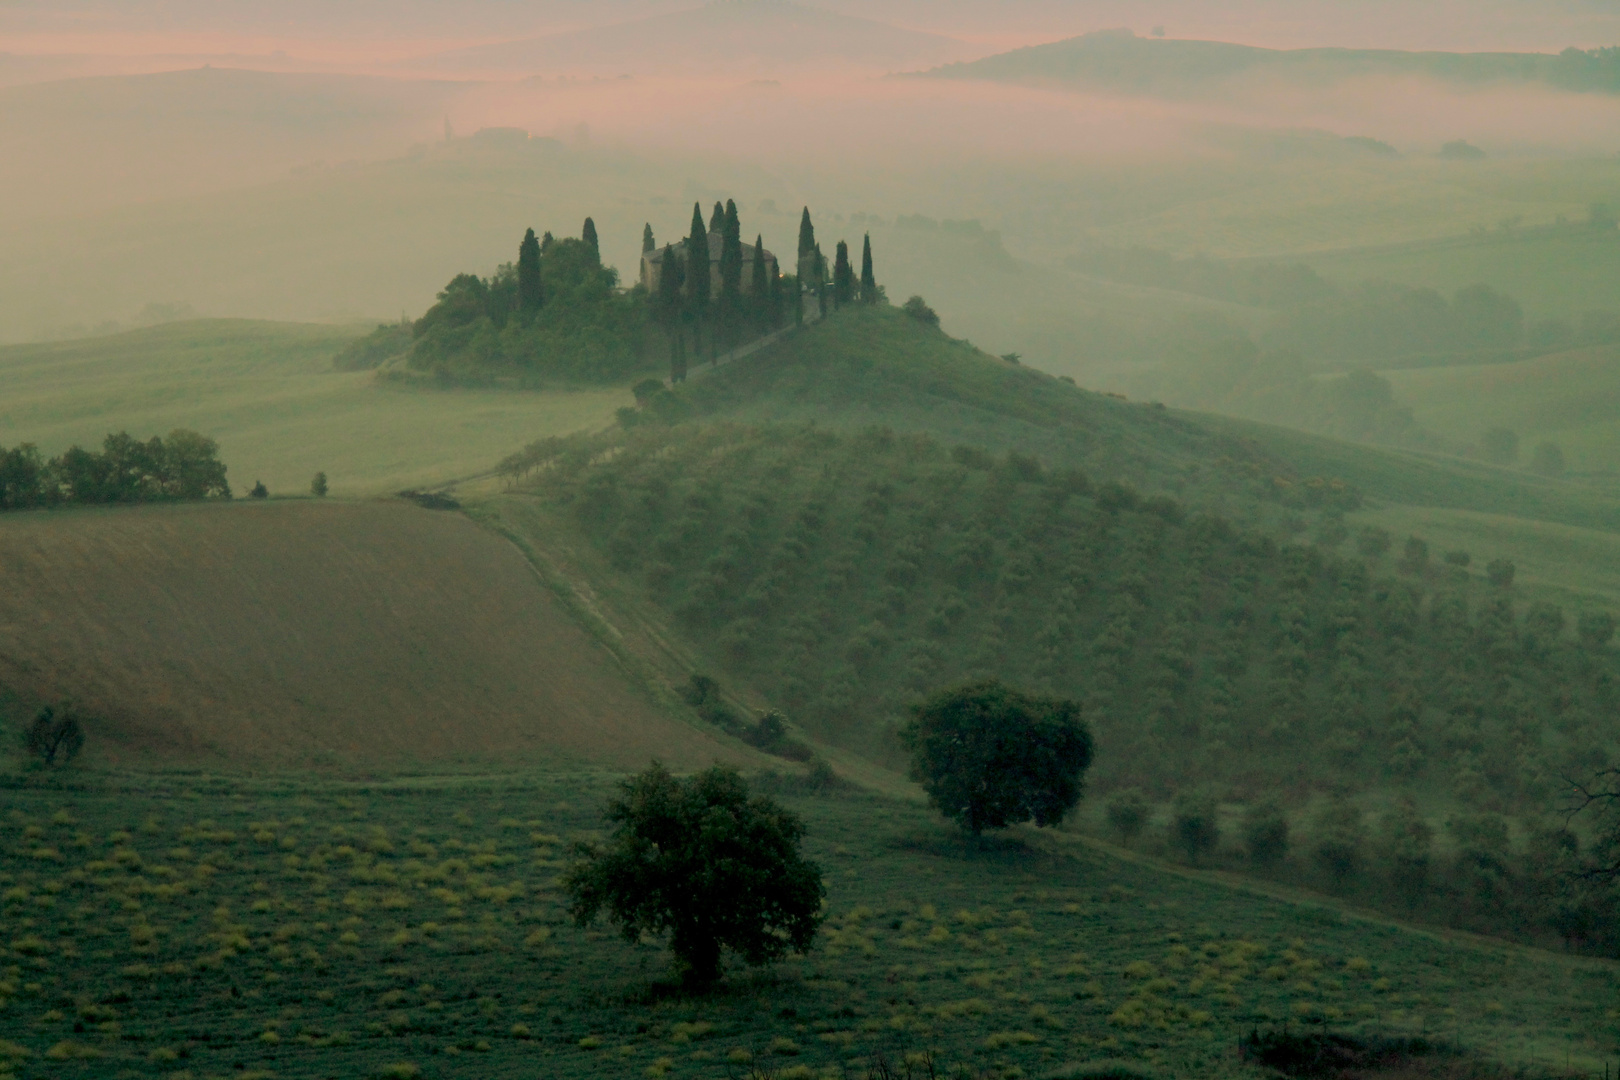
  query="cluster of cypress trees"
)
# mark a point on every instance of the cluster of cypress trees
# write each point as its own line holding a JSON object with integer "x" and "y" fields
{"x": 692, "y": 313}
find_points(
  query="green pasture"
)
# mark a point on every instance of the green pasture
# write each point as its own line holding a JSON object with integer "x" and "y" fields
{"x": 1554, "y": 272}
{"x": 268, "y": 393}
{"x": 181, "y": 926}
{"x": 1571, "y": 398}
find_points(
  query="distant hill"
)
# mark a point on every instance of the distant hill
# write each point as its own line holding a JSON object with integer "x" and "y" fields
{"x": 1117, "y": 61}
{"x": 307, "y": 634}
{"x": 725, "y": 38}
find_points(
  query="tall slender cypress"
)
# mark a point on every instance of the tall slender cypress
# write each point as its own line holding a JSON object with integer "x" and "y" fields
{"x": 588, "y": 234}
{"x": 843, "y": 276}
{"x": 807, "y": 235}
{"x": 647, "y": 242}
{"x": 697, "y": 260}
{"x": 530, "y": 293}
{"x": 731, "y": 267}
{"x": 759, "y": 286}
{"x": 869, "y": 289}
{"x": 697, "y": 275}
{"x": 717, "y": 222}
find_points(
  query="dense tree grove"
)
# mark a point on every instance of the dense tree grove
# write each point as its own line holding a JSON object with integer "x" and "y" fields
{"x": 186, "y": 465}
{"x": 848, "y": 575}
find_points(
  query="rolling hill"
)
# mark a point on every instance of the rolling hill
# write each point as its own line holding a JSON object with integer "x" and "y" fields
{"x": 269, "y": 394}
{"x": 723, "y": 39}
{"x": 349, "y": 636}
{"x": 1117, "y": 61}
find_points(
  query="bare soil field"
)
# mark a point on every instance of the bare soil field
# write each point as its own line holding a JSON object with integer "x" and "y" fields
{"x": 354, "y": 635}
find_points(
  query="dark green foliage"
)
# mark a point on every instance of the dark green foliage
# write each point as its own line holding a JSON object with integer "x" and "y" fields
{"x": 1500, "y": 445}
{"x": 1128, "y": 813}
{"x": 644, "y": 390}
{"x": 840, "y": 575}
{"x": 648, "y": 244}
{"x": 1500, "y": 572}
{"x": 317, "y": 486}
{"x": 759, "y": 286}
{"x": 1265, "y": 833}
{"x": 990, "y": 756}
{"x": 388, "y": 341}
{"x": 1405, "y": 848}
{"x": 1194, "y": 826}
{"x": 1373, "y": 542}
{"x": 1338, "y": 839}
{"x": 557, "y": 314}
{"x": 530, "y": 288}
{"x": 1459, "y": 559}
{"x": 843, "y": 276}
{"x": 869, "y": 285}
{"x": 54, "y": 739}
{"x": 917, "y": 308}
{"x": 186, "y": 466}
{"x": 587, "y": 236}
{"x": 1548, "y": 459}
{"x": 697, "y": 259}
{"x": 1415, "y": 555}
{"x": 807, "y": 236}
{"x": 1595, "y": 629}
{"x": 258, "y": 491}
{"x": 701, "y": 861}
{"x": 717, "y": 221}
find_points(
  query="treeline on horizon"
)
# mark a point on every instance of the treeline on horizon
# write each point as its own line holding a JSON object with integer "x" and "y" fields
{"x": 184, "y": 466}
{"x": 559, "y": 313}
{"x": 846, "y": 576}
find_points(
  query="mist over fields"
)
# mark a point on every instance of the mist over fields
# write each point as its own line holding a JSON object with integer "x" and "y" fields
{"x": 416, "y": 418}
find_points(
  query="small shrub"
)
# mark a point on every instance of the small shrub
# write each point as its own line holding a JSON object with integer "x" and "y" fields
{"x": 917, "y": 308}
{"x": 51, "y": 737}
{"x": 259, "y": 491}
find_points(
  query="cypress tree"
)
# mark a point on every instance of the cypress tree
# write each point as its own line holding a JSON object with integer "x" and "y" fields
{"x": 647, "y": 242}
{"x": 546, "y": 241}
{"x": 671, "y": 276}
{"x": 820, "y": 266}
{"x": 697, "y": 273}
{"x": 588, "y": 234}
{"x": 807, "y": 235}
{"x": 530, "y": 292}
{"x": 843, "y": 276}
{"x": 731, "y": 264}
{"x": 774, "y": 308}
{"x": 697, "y": 261}
{"x": 760, "y": 285}
{"x": 869, "y": 293}
{"x": 717, "y": 221}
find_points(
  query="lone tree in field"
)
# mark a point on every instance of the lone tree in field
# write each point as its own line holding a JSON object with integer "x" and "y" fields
{"x": 990, "y": 756}
{"x": 318, "y": 486}
{"x": 701, "y": 861}
{"x": 51, "y": 737}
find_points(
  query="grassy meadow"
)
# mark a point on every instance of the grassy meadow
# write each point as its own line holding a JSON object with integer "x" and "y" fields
{"x": 1556, "y": 273}
{"x": 186, "y": 927}
{"x": 269, "y": 394}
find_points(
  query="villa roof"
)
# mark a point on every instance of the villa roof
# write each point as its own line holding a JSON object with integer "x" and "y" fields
{"x": 716, "y": 243}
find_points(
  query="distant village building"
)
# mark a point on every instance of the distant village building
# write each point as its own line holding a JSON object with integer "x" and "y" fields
{"x": 652, "y": 265}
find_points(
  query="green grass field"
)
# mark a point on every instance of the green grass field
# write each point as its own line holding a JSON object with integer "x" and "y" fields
{"x": 184, "y": 927}
{"x": 269, "y": 394}
{"x": 1570, "y": 398}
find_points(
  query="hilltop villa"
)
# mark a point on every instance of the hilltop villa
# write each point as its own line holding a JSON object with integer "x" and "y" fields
{"x": 652, "y": 265}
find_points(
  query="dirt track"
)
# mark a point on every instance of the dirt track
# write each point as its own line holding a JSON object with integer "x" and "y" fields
{"x": 355, "y": 635}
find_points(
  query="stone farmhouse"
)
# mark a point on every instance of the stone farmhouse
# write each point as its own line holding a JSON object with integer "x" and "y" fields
{"x": 652, "y": 265}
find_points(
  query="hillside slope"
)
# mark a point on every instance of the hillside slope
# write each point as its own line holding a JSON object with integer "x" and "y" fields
{"x": 268, "y": 393}
{"x": 293, "y": 634}
{"x": 1119, "y": 61}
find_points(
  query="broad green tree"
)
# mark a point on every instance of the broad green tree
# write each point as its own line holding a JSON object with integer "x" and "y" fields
{"x": 1128, "y": 813}
{"x": 706, "y": 864}
{"x": 990, "y": 756}
{"x": 1265, "y": 832}
{"x": 1194, "y": 827}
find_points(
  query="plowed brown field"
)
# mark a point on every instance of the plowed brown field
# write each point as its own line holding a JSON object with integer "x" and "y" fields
{"x": 306, "y": 633}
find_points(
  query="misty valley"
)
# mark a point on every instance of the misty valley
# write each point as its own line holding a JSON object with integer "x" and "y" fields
{"x": 782, "y": 540}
